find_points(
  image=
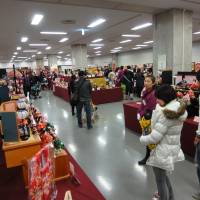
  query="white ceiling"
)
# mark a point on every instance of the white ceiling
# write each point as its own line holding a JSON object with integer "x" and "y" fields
{"x": 121, "y": 16}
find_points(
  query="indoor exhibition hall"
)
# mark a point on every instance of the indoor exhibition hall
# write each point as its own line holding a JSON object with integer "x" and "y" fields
{"x": 99, "y": 100}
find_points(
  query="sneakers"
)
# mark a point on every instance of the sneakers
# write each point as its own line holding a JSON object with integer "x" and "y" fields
{"x": 196, "y": 196}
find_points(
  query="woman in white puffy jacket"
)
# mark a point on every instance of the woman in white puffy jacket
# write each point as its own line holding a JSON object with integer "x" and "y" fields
{"x": 166, "y": 124}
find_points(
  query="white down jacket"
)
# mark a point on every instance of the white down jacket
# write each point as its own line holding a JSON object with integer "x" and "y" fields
{"x": 166, "y": 127}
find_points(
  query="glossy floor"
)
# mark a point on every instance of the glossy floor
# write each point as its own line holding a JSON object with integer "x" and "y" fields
{"x": 109, "y": 153}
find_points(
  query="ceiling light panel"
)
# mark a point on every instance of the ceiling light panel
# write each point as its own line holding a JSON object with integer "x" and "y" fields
{"x": 96, "y": 45}
{"x": 19, "y": 48}
{"x": 96, "y": 23}
{"x": 38, "y": 45}
{"x": 15, "y": 53}
{"x": 64, "y": 39}
{"x": 118, "y": 48}
{"x": 53, "y": 33}
{"x": 60, "y": 52}
{"x": 39, "y": 52}
{"x": 148, "y": 42}
{"x": 125, "y": 41}
{"x": 97, "y": 48}
{"x": 141, "y": 26}
{"x": 48, "y": 48}
{"x": 130, "y": 35}
{"x": 136, "y": 48}
{"x": 37, "y": 18}
{"x": 24, "y": 39}
{"x": 30, "y": 51}
{"x": 97, "y": 40}
{"x": 98, "y": 52}
{"x": 141, "y": 45}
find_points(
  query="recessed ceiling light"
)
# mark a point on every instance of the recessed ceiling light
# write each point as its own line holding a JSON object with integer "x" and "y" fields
{"x": 13, "y": 56}
{"x": 53, "y": 33}
{"x": 125, "y": 41}
{"x": 118, "y": 48}
{"x": 15, "y": 53}
{"x": 39, "y": 52}
{"x": 97, "y": 40}
{"x": 30, "y": 51}
{"x": 37, "y": 18}
{"x": 196, "y": 33}
{"x": 38, "y": 45}
{"x": 59, "y": 57}
{"x": 21, "y": 57}
{"x": 60, "y": 52}
{"x": 141, "y": 26}
{"x": 64, "y": 39}
{"x": 68, "y": 55}
{"x": 114, "y": 51}
{"x": 96, "y": 22}
{"x": 141, "y": 45}
{"x": 98, "y": 52}
{"x": 83, "y": 32}
{"x": 33, "y": 56}
{"x": 96, "y": 45}
{"x": 148, "y": 42}
{"x": 47, "y": 48}
{"x": 97, "y": 48}
{"x": 136, "y": 48}
{"x": 24, "y": 39}
{"x": 19, "y": 48}
{"x": 130, "y": 35}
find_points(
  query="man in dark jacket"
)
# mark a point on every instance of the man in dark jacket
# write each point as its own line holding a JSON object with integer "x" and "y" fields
{"x": 84, "y": 90}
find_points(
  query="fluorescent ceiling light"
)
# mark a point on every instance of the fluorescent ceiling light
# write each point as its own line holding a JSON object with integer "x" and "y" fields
{"x": 13, "y": 56}
{"x": 97, "y": 48}
{"x": 19, "y": 48}
{"x": 141, "y": 26}
{"x": 37, "y": 18}
{"x": 141, "y": 45}
{"x": 64, "y": 39}
{"x": 38, "y": 45}
{"x": 59, "y": 57}
{"x": 53, "y": 33}
{"x": 136, "y": 48}
{"x": 18, "y": 60}
{"x": 68, "y": 55}
{"x": 118, "y": 48}
{"x": 98, "y": 52}
{"x": 60, "y": 52}
{"x": 15, "y": 53}
{"x": 39, "y": 52}
{"x": 125, "y": 41}
{"x": 97, "y": 40}
{"x": 83, "y": 32}
{"x": 21, "y": 57}
{"x": 196, "y": 33}
{"x": 96, "y": 45}
{"x": 130, "y": 35}
{"x": 24, "y": 39}
{"x": 47, "y": 48}
{"x": 114, "y": 51}
{"x": 30, "y": 51}
{"x": 148, "y": 42}
{"x": 96, "y": 23}
{"x": 33, "y": 56}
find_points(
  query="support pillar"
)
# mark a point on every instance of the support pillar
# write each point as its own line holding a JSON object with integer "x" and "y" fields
{"x": 79, "y": 56}
{"x": 173, "y": 41}
{"x": 52, "y": 62}
{"x": 39, "y": 63}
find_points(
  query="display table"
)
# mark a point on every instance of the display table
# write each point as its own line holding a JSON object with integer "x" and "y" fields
{"x": 187, "y": 135}
{"x": 130, "y": 116}
{"x": 16, "y": 152}
{"x": 61, "y": 92}
{"x": 107, "y": 95}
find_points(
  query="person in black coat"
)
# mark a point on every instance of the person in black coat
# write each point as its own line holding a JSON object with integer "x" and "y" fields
{"x": 71, "y": 91}
{"x": 139, "y": 82}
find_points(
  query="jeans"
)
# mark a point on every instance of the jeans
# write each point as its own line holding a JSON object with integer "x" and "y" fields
{"x": 198, "y": 161}
{"x": 163, "y": 184}
{"x": 87, "y": 107}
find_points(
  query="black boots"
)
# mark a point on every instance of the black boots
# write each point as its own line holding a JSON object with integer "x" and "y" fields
{"x": 144, "y": 160}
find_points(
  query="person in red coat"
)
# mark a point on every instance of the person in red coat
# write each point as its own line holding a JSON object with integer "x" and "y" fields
{"x": 148, "y": 104}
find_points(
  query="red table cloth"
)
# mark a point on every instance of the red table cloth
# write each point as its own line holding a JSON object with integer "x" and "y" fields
{"x": 130, "y": 116}
{"x": 62, "y": 93}
{"x": 187, "y": 135}
{"x": 107, "y": 95}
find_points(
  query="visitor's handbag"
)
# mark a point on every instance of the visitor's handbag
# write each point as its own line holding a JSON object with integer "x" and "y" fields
{"x": 75, "y": 96}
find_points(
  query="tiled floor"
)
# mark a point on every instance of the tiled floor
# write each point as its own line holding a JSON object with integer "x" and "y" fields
{"x": 109, "y": 153}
